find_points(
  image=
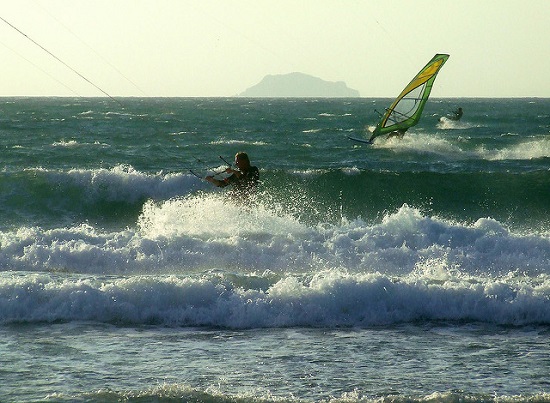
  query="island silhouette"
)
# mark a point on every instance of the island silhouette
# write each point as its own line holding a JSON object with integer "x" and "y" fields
{"x": 299, "y": 85}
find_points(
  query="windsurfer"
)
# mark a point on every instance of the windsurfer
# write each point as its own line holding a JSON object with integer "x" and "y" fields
{"x": 397, "y": 133}
{"x": 407, "y": 108}
{"x": 244, "y": 179}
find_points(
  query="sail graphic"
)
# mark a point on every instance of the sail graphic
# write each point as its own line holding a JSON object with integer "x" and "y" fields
{"x": 407, "y": 108}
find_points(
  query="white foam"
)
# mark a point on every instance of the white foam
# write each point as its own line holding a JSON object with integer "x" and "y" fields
{"x": 200, "y": 260}
{"x": 205, "y": 232}
{"x": 124, "y": 183}
{"x": 328, "y": 298}
{"x": 448, "y": 124}
{"x": 531, "y": 149}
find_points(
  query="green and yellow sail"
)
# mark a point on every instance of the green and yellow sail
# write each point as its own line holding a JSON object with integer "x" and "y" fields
{"x": 407, "y": 108}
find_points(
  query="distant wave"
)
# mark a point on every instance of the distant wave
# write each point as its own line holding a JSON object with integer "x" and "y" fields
{"x": 526, "y": 150}
{"x": 74, "y": 143}
{"x": 449, "y": 150}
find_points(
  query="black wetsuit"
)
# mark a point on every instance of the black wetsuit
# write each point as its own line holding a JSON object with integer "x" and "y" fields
{"x": 456, "y": 114}
{"x": 245, "y": 184}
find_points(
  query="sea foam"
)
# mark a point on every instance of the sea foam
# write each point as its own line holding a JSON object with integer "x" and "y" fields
{"x": 328, "y": 298}
{"x": 192, "y": 233}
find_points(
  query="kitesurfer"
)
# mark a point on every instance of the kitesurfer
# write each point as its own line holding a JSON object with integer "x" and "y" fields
{"x": 456, "y": 114}
{"x": 244, "y": 179}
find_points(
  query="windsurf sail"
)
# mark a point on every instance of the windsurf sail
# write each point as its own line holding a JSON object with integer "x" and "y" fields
{"x": 407, "y": 108}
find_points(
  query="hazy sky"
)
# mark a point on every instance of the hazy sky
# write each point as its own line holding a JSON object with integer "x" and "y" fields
{"x": 498, "y": 48}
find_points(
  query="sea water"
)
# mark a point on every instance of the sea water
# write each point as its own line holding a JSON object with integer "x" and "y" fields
{"x": 409, "y": 270}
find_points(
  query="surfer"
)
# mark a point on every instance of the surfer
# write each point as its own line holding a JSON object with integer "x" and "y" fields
{"x": 456, "y": 115}
{"x": 244, "y": 179}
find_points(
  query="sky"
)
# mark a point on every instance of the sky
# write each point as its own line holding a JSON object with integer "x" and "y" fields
{"x": 219, "y": 48}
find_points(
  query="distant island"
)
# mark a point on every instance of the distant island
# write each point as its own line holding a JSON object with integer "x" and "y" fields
{"x": 298, "y": 85}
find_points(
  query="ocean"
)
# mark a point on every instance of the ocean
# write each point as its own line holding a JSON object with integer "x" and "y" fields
{"x": 413, "y": 270}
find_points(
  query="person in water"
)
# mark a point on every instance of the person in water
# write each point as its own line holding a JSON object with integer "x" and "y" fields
{"x": 244, "y": 179}
{"x": 456, "y": 114}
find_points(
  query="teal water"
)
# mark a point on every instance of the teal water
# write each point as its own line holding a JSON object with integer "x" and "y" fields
{"x": 412, "y": 269}
{"x": 87, "y": 151}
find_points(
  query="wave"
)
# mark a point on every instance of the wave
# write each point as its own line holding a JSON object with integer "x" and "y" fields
{"x": 452, "y": 149}
{"x": 527, "y": 150}
{"x": 426, "y": 144}
{"x": 104, "y": 195}
{"x": 115, "y": 197}
{"x": 239, "y": 142}
{"x": 75, "y": 144}
{"x": 445, "y": 123}
{"x": 190, "y": 234}
{"x": 329, "y": 298}
{"x": 517, "y": 200}
{"x": 177, "y": 392}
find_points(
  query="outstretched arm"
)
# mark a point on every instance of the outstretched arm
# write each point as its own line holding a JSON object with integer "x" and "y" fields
{"x": 216, "y": 182}
{"x": 221, "y": 182}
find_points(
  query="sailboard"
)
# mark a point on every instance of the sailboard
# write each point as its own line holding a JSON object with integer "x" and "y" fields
{"x": 406, "y": 110}
{"x": 360, "y": 140}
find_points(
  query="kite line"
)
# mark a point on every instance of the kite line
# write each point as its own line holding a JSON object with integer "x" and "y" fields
{"x": 57, "y": 58}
